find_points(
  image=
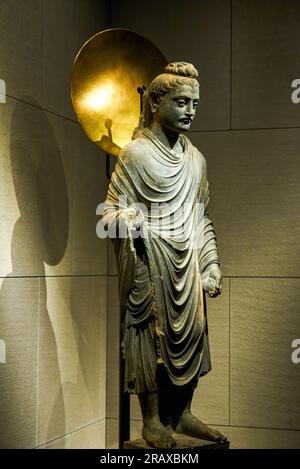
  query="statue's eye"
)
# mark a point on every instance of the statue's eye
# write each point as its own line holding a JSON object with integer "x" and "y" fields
{"x": 181, "y": 102}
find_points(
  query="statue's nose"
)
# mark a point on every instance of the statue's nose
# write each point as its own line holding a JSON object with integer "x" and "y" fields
{"x": 189, "y": 110}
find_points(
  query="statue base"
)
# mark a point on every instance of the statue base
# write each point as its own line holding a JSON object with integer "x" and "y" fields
{"x": 182, "y": 442}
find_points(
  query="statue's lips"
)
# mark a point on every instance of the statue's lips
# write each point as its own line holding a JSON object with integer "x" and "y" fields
{"x": 185, "y": 120}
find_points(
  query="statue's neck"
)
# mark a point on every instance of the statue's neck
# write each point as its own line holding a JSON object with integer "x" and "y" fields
{"x": 170, "y": 139}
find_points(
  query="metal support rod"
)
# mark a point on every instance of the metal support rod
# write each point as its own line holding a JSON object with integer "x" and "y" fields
{"x": 107, "y": 167}
{"x": 124, "y": 409}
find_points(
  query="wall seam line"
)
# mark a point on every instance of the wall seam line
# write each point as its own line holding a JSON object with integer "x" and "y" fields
{"x": 38, "y": 365}
{"x": 229, "y": 351}
{"x": 231, "y": 35}
{"x": 42, "y": 109}
{"x": 72, "y": 432}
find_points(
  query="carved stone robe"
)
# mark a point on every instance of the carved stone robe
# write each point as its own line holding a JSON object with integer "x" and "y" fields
{"x": 160, "y": 290}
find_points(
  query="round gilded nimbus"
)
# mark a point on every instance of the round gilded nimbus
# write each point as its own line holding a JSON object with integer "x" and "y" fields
{"x": 106, "y": 73}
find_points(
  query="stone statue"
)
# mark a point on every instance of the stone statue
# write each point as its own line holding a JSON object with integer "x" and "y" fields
{"x": 166, "y": 251}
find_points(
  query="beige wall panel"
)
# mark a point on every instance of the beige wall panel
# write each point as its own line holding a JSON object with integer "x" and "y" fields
{"x": 254, "y": 199}
{"x": 112, "y": 434}
{"x": 67, "y": 25}
{"x": 136, "y": 427}
{"x": 9, "y": 209}
{"x": 265, "y": 47}
{"x": 90, "y": 437}
{"x": 264, "y": 383}
{"x": 53, "y": 180}
{"x": 80, "y": 187}
{"x": 21, "y": 47}
{"x": 113, "y": 343}
{"x": 197, "y": 32}
{"x": 84, "y": 167}
{"x": 112, "y": 265}
{"x": 135, "y": 410}
{"x": 211, "y": 398}
{"x": 18, "y": 376}
{"x": 261, "y": 438}
{"x": 39, "y": 42}
{"x": 72, "y": 359}
{"x": 31, "y": 233}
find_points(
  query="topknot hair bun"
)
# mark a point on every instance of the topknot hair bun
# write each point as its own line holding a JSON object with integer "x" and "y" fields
{"x": 183, "y": 69}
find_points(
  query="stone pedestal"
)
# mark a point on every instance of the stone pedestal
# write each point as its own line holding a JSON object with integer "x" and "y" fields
{"x": 182, "y": 442}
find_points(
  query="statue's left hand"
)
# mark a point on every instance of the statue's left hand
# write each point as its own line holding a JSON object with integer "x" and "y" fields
{"x": 212, "y": 280}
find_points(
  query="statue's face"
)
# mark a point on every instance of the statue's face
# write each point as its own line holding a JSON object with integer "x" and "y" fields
{"x": 176, "y": 110}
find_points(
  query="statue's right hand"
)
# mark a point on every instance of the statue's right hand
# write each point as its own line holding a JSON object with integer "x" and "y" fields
{"x": 134, "y": 218}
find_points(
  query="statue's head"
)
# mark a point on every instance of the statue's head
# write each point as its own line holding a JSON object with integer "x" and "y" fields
{"x": 172, "y": 98}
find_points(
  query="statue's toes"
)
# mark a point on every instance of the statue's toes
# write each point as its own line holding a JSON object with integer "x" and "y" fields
{"x": 219, "y": 436}
{"x": 165, "y": 443}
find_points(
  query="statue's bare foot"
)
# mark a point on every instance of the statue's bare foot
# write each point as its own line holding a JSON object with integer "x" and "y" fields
{"x": 189, "y": 425}
{"x": 156, "y": 435}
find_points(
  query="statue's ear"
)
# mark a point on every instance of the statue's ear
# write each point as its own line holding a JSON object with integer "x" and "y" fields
{"x": 154, "y": 102}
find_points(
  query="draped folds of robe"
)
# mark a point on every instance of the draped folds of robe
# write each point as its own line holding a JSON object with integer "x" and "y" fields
{"x": 160, "y": 289}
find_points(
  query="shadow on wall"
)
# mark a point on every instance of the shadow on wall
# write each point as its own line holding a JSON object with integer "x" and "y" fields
{"x": 41, "y": 191}
{"x": 39, "y": 235}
